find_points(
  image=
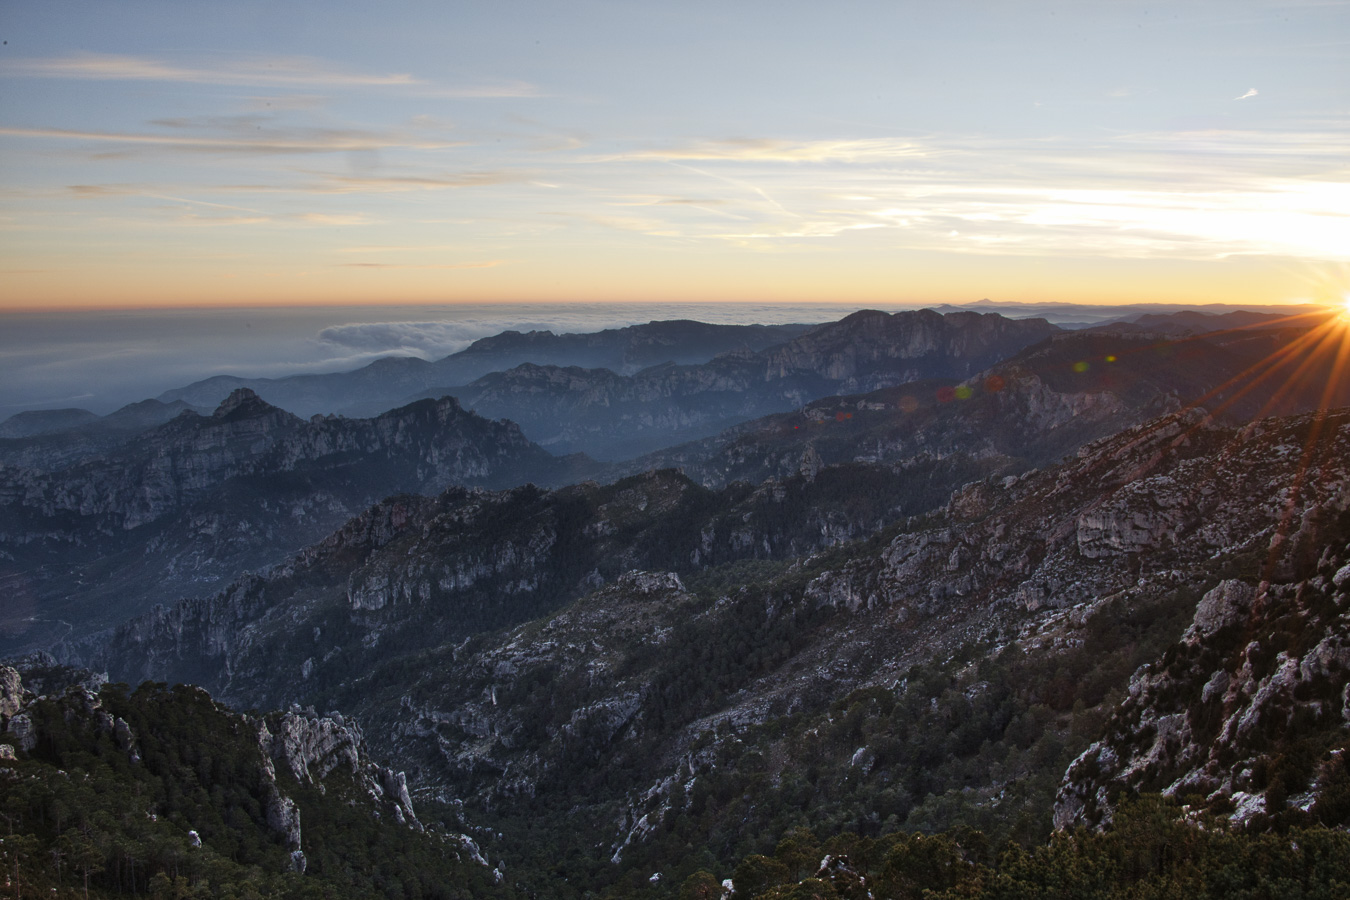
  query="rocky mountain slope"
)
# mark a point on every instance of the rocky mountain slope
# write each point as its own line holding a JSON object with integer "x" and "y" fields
{"x": 416, "y": 572}
{"x": 202, "y": 498}
{"x": 394, "y": 381}
{"x": 613, "y": 416}
{"x": 1247, "y": 716}
{"x": 509, "y": 651}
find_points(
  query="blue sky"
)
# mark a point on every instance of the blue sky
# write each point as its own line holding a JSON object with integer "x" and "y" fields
{"x": 171, "y": 154}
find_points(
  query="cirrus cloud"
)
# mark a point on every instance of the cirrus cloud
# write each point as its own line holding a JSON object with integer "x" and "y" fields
{"x": 252, "y": 71}
{"x": 776, "y": 150}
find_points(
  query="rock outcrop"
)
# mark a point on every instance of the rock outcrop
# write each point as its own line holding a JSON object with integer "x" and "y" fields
{"x": 310, "y": 747}
{"x": 1230, "y": 716}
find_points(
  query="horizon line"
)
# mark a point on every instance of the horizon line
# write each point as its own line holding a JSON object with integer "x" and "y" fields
{"x": 911, "y": 304}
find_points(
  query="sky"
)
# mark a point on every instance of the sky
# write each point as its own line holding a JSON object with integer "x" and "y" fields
{"x": 187, "y": 155}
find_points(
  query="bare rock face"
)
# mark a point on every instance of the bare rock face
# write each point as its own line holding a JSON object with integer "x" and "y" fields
{"x": 1225, "y": 605}
{"x": 13, "y": 720}
{"x": 284, "y": 819}
{"x": 585, "y": 647}
{"x": 21, "y": 728}
{"x": 646, "y": 584}
{"x": 312, "y": 747}
{"x": 11, "y": 692}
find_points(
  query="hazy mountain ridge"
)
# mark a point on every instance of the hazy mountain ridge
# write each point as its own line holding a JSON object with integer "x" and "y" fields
{"x": 1196, "y": 322}
{"x": 394, "y": 381}
{"x": 50, "y": 439}
{"x": 149, "y": 519}
{"x": 204, "y": 497}
{"x": 611, "y": 416}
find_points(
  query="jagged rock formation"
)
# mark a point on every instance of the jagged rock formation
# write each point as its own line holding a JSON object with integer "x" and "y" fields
{"x": 311, "y": 747}
{"x": 200, "y": 499}
{"x": 11, "y": 693}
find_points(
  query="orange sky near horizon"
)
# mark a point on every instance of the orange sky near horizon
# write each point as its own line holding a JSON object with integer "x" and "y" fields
{"x": 768, "y": 152}
{"x": 777, "y": 279}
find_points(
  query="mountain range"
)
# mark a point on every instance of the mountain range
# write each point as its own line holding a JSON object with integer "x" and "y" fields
{"x": 392, "y": 381}
{"x": 954, "y": 576}
{"x": 200, "y": 498}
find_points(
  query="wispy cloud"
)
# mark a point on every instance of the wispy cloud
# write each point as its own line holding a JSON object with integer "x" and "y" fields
{"x": 775, "y": 150}
{"x": 100, "y": 191}
{"x": 310, "y": 183}
{"x": 277, "y": 70}
{"x": 290, "y": 220}
{"x": 504, "y": 90}
{"x": 1282, "y": 218}
{"x": 384, "y": 248}
{"x": 253, "y": 71}
{"x": 272, "y": 141}
{"x": 333, "y": 219}
{"x": 650, "y": 226}
{"x": 489, "y": 264}
{"x": 103, "y": 190}
{"x": 343, "y": 184}
{"x": 1251, "y": 92}
{"x": 1192, "y": 195}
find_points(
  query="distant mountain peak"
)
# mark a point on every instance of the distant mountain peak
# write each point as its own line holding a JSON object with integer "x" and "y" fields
{"x": 243, "y": 403}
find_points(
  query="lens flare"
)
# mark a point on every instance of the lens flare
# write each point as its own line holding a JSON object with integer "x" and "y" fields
{"x": 1307, "y": 367}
